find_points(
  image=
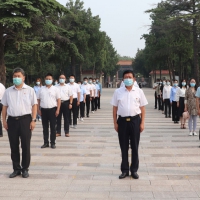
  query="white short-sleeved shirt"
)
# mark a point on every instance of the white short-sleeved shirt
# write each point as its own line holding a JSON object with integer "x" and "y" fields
{"x": 19, "y": 101}
{"x": 97, "y": 90}
{"x": 87, "y": 88}
{"x": 2, "y": 90}
{"x": 75, "y": 89}
{"x": 65, "y": 91}
{"x": 83, "y": 92}
{"x": 198, "y": 92}
{"x": 129, "y": 103}
{"x": 48, "y": 96}
{"x": 93, "y": 89}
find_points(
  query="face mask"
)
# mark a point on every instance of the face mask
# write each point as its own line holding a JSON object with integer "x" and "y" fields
{"x": 85, "y": 82}
{"x": 38, "y": 83}
{"x": 79, "y": 85}
{"x": 160, "y": 82}
{"x": 175, "y": 84}
{"x": 48, "y": 82}
{"x": 56, "y": 83}
{"x": 17, "y": 81}
{"x": 97, "y": 81}
{"x": 128, "y": 82}
{"x": 94, "y": 83}
{"x": 71, "y": 80}
{"x": 90, "y": 82}
{"x": 164, "y": 83}
{"x": 168, "y": 83}
{"x": 192, "y": 84}
{"x": 62, "y": 80}
{"x": 183, "y": 83}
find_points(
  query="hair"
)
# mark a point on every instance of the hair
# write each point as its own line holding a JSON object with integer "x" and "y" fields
{"x": 79, "y": 82}
{"x": 49, "y": 74}
{"x": 175, "y": 80}
{"x": 72, "y": 75}
{"x": 16, "y": 70}
{"x": 128, "y": 72}
{"x": 195, "y": 87}
{"x": 180, "y": 84}
{"x": 91, "y": 78}
{"x": 94, "y": 79}
{"x": 62, "y": 75}
{"x": 85, "y": 78}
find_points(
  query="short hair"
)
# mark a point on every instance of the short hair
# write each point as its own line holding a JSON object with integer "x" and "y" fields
{"x": 72, "y": 75}
{"x": 94, "y": 79}
{"x": 49, "y": 74}
{"x": 85, "y": 78}
{"x": 127, "y": 72}
{"x": 79, "y": 82}
{"x": 62, "y": 75}
{"x": 91, "y": 78}
{"x": 175, "y": 80}
{"x": 19, "y": 70}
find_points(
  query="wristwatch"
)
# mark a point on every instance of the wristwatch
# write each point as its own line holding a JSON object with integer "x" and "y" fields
{"x": 34, "y": 120}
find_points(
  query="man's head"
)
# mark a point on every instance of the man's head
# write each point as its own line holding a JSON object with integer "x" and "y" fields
{"x": 128, "y": 78}
{"x": 94, "y": 80}
{"x": 48, "y": 79}
{"x": 72, "y": 78}
{"x": 175, "y": 83}
{"x": 85, "y": 80}
{"x": 90, "y": 80}
{"x": 18, "y": 76}
{"x": 62, "y": 79}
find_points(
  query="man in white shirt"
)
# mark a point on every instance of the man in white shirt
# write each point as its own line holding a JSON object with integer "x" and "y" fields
{"x": 76, "y": 101}
{"x": 166, "y": 99}
{"x": 99, "y": 99}
{"x": 82, "y": 101}
{"x": 20, "y": 104}
{"x": 97, "y": 94}
{"x": 93, "y": 91}
{"x": 2, "y": 90}
{"x": 129, "y": 104}
{"x": 49, "y": 101}
{"x": 66, "y": 104}
{"x": 88, "y": 89}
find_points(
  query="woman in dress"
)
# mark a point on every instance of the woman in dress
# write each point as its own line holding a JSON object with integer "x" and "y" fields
{"x": 180, "y": 97}
{"x": 191, "y": 107}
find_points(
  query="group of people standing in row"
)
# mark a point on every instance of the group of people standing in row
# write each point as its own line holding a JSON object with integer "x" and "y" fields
{"x": 22, "y": 106}
{"x": 180, "y": 98}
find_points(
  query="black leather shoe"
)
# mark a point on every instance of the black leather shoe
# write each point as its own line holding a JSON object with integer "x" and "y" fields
{"x": 123, "y": 175}
{"x": 53, "y": 146}
{"x": 169, "y": 116}
{"x": 25, "y": 174}
{"x": 15, "y": 173}
{"x": 135, "y": 175}
{"x": 44, "y": 146}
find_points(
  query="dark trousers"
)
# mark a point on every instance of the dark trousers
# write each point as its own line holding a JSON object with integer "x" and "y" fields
{"x": 167, "y": 107}
{"x": 162, "y": 103}
{"x": 96, "y": 103}
{"x": 92, "y": 104}
{"x": 159, "y": 102}
{"x": 155, "y": 95}
{"x": 64, "y": 111}
{"x": 87, "y": 103}
{"x": 48, "y": 116}
{"x": 20, "y": 130}
{"x": 99, "y": 102}
{"x": 81, "y": 110}
{"x": 74, "y": 110}
{"x": 175, "y": 112}
{"x": 129, "y": 130}
{"x": 1, "y": 129}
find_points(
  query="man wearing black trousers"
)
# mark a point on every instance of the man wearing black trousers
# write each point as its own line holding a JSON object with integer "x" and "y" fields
{"x": 66, "y": 105}
{"x": 93, "y": 91}
{"x": 155, "y": 86}
{"x": 88, "y": 89}
{"x": 128, "y": 103}
{"x": 20, "y": 104}
{"x": 99, "y": 99}
{"x": 49, "y": 101}
{"x": 76, "y": 101}
{"x": 2, "y": 90}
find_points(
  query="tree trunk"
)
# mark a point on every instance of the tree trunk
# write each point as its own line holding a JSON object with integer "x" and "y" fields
{"x": 2, "y": 61}
{"x": 73, "y": 66}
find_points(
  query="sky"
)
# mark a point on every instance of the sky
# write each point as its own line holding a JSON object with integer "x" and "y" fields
{"x": 124, "y": 21}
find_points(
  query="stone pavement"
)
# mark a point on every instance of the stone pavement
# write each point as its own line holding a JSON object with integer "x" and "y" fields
{"x": 87, "y": 165}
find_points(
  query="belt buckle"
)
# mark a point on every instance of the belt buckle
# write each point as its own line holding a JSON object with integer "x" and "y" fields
{"x": 16, "y": 118}
{"x": 128, "y": 119}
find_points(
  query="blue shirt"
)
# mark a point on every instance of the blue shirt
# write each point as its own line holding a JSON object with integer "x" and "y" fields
{"x": 173, "y": 94}
{"x": 198, "y": 92}
{"x": 100, "y": 86}
{"x": 82, "y": 93}
{"x": 37, "y": 88}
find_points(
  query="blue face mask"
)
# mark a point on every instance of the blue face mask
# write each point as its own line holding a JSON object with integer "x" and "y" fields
{"x": 17, "y": 81}
{"x": 90, "y": 82}
{"x": 164, "y": 83}
{"x": 61, "y": 80}
{"x": 71, "y": 80}
{"x": 38, "y": 83}
{"x": 128, "y": 82}
{"x": 192, "y": 84}
{"x": 97, "y": 81}
{"x": 85, "y": 82}
{"x": 175, "y": 84}
{"x": 48, "y": 82}
{"x": 183, "y": 83}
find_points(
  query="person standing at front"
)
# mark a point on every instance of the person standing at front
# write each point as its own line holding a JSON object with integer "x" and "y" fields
{"x": 20, "y": 104}
{"x": 129, "y": 105}
{"x": 66, "y": 105}
{"x": 2, "y": 90}
{"x": 76, "y": 101}
{"x": 49, "y": 101}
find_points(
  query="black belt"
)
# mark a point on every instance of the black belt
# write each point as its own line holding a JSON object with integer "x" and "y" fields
{"x": 19, "y": 117}
{"x": 64, "y": 101}
{"x": 48, "y": 108}
{"x": 128, "y": 119}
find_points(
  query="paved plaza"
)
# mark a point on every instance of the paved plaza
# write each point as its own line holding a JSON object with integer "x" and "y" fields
{"x": 87, "y": 164}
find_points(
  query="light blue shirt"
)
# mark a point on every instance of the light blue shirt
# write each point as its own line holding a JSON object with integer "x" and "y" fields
{"x": 173, "y": 94}
{"x": 198, "y": 92}
{"x": 82, "y": 93}
{"x": 100, "y": 86}
{"x": 37, "y": 88}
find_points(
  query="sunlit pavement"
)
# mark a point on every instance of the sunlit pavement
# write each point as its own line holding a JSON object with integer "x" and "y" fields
{"x": 87, "y": 164}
